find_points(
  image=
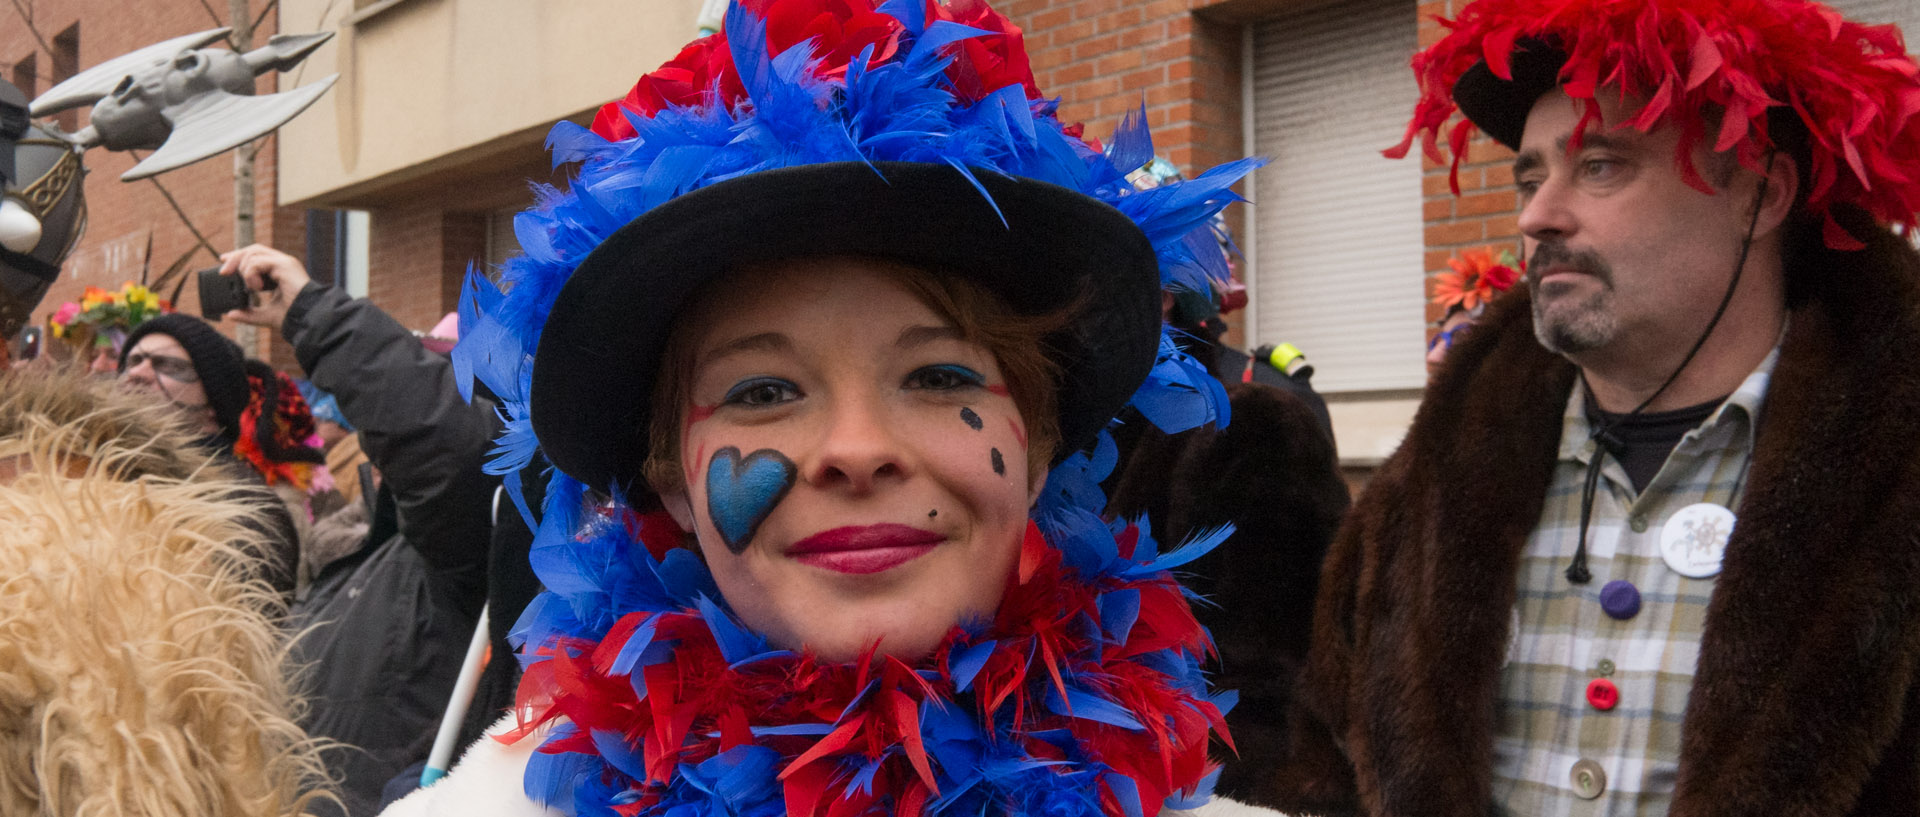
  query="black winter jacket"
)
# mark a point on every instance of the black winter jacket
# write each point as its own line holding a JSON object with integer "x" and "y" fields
{"x": 390, "y": 622}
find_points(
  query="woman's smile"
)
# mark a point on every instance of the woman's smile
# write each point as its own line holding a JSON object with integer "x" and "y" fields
{"x": 864, "y": 549}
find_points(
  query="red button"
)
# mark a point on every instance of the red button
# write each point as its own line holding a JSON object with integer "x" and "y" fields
{"x": 1602, "y": 694}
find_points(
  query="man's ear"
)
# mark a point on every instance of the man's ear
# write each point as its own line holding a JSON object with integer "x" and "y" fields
{"x": 680, "y": 507}
{"x": 1783, "y": 188}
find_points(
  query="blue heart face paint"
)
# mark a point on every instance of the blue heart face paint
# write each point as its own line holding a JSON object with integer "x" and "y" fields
{"x": 741, "y": 491}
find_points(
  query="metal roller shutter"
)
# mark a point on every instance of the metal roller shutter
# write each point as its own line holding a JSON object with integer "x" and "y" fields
{"x": 1339, "y": 238}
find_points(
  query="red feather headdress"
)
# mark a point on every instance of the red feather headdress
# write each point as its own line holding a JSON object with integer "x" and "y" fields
{"x": 1852, "y": 85}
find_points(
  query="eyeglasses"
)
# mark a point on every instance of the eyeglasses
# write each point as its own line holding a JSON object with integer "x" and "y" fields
{"x": 1444, "y": 338}
{"x": 176, "y": 369}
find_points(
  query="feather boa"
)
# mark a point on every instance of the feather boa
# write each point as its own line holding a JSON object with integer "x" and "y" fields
{"x": 1083, "y": 696}
{"x": 277, "y": 436}
{"x": 1853, "y": 85}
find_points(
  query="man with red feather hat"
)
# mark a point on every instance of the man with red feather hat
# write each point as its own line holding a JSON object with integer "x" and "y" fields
{"x": 1652, "y": 544}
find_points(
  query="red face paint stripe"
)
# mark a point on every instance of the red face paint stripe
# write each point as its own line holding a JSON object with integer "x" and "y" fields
{"x": 697, "y": 458}
{"x": 999, "y": 390}
{"x": 1018, "y": 432}
{"x": 697, "y": 413}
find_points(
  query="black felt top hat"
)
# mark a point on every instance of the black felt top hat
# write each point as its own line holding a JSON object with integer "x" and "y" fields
{"x": 1046, "y": 248}
{"x": 1499, "y": 106}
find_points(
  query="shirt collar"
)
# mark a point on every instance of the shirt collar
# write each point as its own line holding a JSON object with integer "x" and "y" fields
{"x": 1734, "y": 422}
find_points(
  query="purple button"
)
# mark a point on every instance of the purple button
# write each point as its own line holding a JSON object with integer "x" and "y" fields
{"x": 1620, "y": 599}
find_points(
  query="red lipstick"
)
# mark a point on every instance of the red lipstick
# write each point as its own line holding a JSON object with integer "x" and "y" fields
{"x": 860, "y": 549}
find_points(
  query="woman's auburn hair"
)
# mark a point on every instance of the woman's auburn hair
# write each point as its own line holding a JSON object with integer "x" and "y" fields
{"x": 1017, "y": 343}
{"x": 143, "y": 670}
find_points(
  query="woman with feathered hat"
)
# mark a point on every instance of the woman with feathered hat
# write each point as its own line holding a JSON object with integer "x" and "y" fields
{"x": 822, "y": 343}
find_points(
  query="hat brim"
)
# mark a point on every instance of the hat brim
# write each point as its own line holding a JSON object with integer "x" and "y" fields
{"x": 601, "y": 348}
{"x": 1499, "y": 107}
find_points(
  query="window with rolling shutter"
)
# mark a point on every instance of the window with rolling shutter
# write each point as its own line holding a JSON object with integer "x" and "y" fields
{"x": 1338, "y": 230}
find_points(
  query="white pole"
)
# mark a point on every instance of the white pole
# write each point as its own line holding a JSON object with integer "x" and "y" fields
{"x": 470, "y": 669}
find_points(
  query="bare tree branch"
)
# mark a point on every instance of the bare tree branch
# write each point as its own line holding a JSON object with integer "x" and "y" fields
{"x": 26, "y": 16}
{"x": 302, "y": 67}
{"x": 264, "y": 11}
{"x": 178, "y": 211}
{"x": 211, "y": 13}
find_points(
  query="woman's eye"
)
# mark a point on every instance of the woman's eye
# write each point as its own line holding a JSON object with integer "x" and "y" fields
{"x": 945, "y": 378}
{"x": 761, "y": 392}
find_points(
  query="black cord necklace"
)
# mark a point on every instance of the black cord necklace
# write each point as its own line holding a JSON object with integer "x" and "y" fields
{"x": 1603, "y": 434}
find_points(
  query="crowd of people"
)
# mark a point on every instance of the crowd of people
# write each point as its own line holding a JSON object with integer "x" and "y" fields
{"x": 861, "y": 439}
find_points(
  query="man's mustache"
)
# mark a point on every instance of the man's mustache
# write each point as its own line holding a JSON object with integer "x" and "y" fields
{"x": 1554, "y": 255}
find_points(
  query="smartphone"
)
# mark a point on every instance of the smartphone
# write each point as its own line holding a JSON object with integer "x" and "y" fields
{"x": 222, "y": 293}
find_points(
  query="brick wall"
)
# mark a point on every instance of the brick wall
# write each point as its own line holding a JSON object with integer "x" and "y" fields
{"x": 417, "y": 258}
{"x": 1106, "y": 58}
{"x": 121, "y": 216}
{"x": 1486, "y": 212}
{"x": 1180, "y": 60}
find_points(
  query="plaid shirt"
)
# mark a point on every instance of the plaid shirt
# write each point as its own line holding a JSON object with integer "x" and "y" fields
{"x": 1561, "y": 636}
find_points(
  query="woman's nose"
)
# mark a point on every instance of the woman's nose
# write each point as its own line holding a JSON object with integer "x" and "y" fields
{"x": 859, "y": 450}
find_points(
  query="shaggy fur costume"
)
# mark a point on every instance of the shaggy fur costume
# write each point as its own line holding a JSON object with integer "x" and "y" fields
{"x": 1807, "y": 698}
{"x": 141, "y": 672}
{"x": 1272, "y": 474}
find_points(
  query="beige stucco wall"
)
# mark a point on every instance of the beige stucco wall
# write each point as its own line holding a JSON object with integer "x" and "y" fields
{"x": 429, "y": 84}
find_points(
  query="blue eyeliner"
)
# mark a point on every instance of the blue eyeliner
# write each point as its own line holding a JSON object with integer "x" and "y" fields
{"x": 972, "y": 377}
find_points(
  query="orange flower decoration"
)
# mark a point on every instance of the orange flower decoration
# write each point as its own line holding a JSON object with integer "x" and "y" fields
{"x": 1476, "y": 277}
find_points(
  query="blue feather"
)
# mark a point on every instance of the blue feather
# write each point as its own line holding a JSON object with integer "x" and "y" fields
{"x": 1225, "y": 700}
{"x": 621, "y": 754}
{"x": 1126, "y": 791}
{"x": 1201, "y": 794}
{"x": 1199, "y": 545}
{"x": 1119, "y": 609}
{"x": 1085, "y": 705}
{"x": 968, "y": 663}
{"x": 1132, "y": 145}
{"x": 630, "y": 652}
{"x": 736, "y": 642}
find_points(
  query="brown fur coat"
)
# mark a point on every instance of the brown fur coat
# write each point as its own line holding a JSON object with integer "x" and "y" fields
{"x": 1807, "y": 697}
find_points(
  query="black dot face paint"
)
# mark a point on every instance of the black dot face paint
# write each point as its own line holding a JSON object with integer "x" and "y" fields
{"x": 933, "y": 513}
{"x": 742, "y": 491}
{"x": 972, "y": 419}
{"x": 999, "y": 464}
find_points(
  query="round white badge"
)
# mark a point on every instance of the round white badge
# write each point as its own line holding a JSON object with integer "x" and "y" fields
{"x": 1694, "y": 540}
